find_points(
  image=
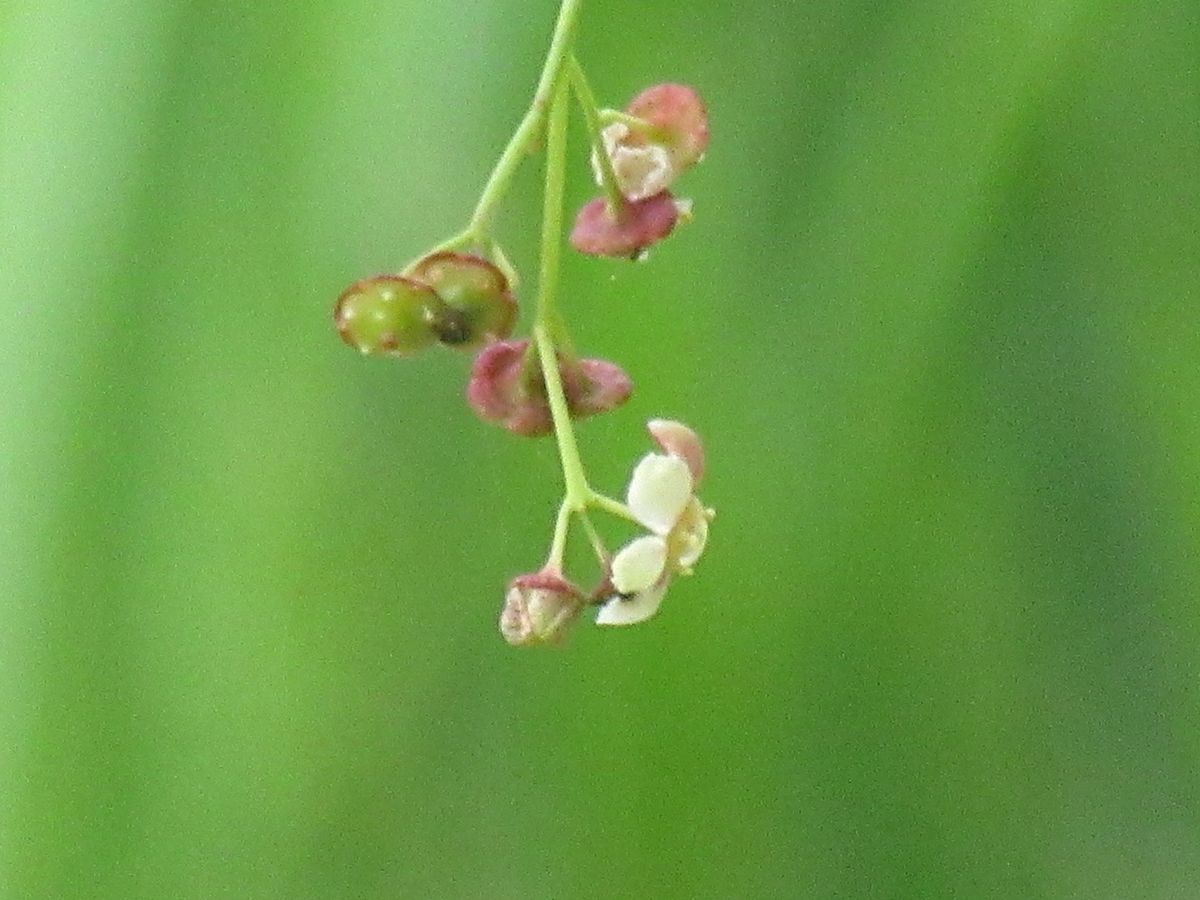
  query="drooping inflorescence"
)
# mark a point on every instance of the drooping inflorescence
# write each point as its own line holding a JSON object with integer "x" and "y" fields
{"x": 460, "y": 294}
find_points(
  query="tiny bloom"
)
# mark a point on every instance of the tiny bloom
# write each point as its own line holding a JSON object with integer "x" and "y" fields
{"x": 661, "y": 496}
{"x": 666, "y": 135}
{"x": 643, "y": 168}
{"x": 507, "y": 388}
{"x": 627, "y": 231}
{"x": 679, "y": 118}
{"x": 539, "y": 608}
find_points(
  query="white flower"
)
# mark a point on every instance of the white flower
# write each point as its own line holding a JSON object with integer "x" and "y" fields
{"x": 642, "y": 169}
{"x": 662, "y": 499}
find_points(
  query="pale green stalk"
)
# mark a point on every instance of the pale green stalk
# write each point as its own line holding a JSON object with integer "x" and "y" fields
{"x": 578, "y": 493}
{"x": 587, "y": 102}
{"x": 531, "y": 124}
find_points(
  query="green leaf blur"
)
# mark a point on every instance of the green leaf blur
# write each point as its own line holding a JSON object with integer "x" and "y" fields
{"x": 936, "y": 320}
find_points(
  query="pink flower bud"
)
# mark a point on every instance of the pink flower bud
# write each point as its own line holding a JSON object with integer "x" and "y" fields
{"x": 478, "y": 306}
{"x": 388, "y": 315}
{"x": 539, "y": 609}
{"x": 626, "y": 231}
{"x": 677, "y": 439}
{"x": 678, "y": 113}
{"x": 594, "y": 386}
{"x": 506, "y": 387}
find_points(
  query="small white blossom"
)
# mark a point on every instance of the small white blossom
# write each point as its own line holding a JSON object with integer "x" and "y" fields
{"x": 662, "y": 499}
{"x": 642, "y": 169}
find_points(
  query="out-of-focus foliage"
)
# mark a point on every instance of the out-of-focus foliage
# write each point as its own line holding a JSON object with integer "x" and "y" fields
{"x": 936, "y": 319}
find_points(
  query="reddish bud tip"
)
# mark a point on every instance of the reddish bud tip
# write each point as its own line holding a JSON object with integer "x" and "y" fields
{"x": 478, "y": 306}
{"x": 506, "y": 388}
{"x": 677, "y": 439}
{"x": 677, "y": 111}
{"x": 628, "y": 231}
{"x": 388, "y": 315}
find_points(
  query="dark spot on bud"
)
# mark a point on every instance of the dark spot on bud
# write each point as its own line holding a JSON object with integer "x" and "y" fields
{"x": 452, "y": 328}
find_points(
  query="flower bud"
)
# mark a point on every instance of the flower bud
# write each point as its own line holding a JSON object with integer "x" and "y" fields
{"x": 507, "y": 388}
{"x": 539, "y": 608}
{"x": 594, "y": 386}
{"x": 478, "y": 306}
{"x": 387, "y": 314}
{"x": 626, "y": 231}
{"x": 679, "y": 117}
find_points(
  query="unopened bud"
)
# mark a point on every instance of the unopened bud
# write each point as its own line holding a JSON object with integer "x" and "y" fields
{"x": 594, "y": 386}
{"x": 387, "y": 314}
{"x": 627, "y": 231}
{"x": 507, "y": 388}
{"x": 539, "y": 608}
{"x": 478, "y": 306}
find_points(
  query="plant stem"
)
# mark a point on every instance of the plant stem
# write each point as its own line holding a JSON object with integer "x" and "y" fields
{"x": 558, "y": 546}
{"x": 636, "y": 125}
{"x": 531, "y": 124}
{"x": 601, "y": 551}
{"x": 611, "y": 506}
{"x": 587, "y": 102}
{"x": 577, "y": 490}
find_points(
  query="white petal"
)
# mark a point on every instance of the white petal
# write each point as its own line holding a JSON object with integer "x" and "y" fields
{"x": 690, "y": 535}
{"x": 642, "y": 171}
{"x": 639, "y": 564}
{"x": 631, "y": 610}
{"x": 659, "y": 490}
{"x": 612, "y": 136}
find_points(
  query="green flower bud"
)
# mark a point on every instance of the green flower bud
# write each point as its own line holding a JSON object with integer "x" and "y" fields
{"x": 477, "y": 305}
{"x": 388, "y": 315}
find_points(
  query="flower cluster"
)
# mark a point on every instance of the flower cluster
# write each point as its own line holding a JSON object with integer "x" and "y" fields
{"x": 662, "y": 497}
{"x": 662, "y": 133}
{"x": 460, "y": 294}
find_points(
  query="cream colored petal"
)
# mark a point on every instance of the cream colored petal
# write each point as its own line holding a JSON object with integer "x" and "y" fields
{"x": 631, "y": 610}
{"x": 690, "y": 535}
{"x": 659, "y": 490}
{"x": 612, "y": 135}
{"x": 642, "y": 169}
{"x": 639, "y": 564}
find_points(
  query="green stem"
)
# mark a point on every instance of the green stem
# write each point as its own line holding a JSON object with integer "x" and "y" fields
{"x": 596, "y": 540}
{"x": 455, "y": 242}
{"x": 577, "y": 490}
{"x": 611, "y": 506}
{"x": 558, "y": 546}
{"x": 636, "y": 125}
{"x": 578, "y": 493}
{"x": 587, "y": 102}
{"x": 504, "y": 264}
{"x": 521, "y": 141}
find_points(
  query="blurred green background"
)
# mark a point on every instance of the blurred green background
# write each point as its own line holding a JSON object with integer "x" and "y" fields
{"x": 935, "y": 320}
